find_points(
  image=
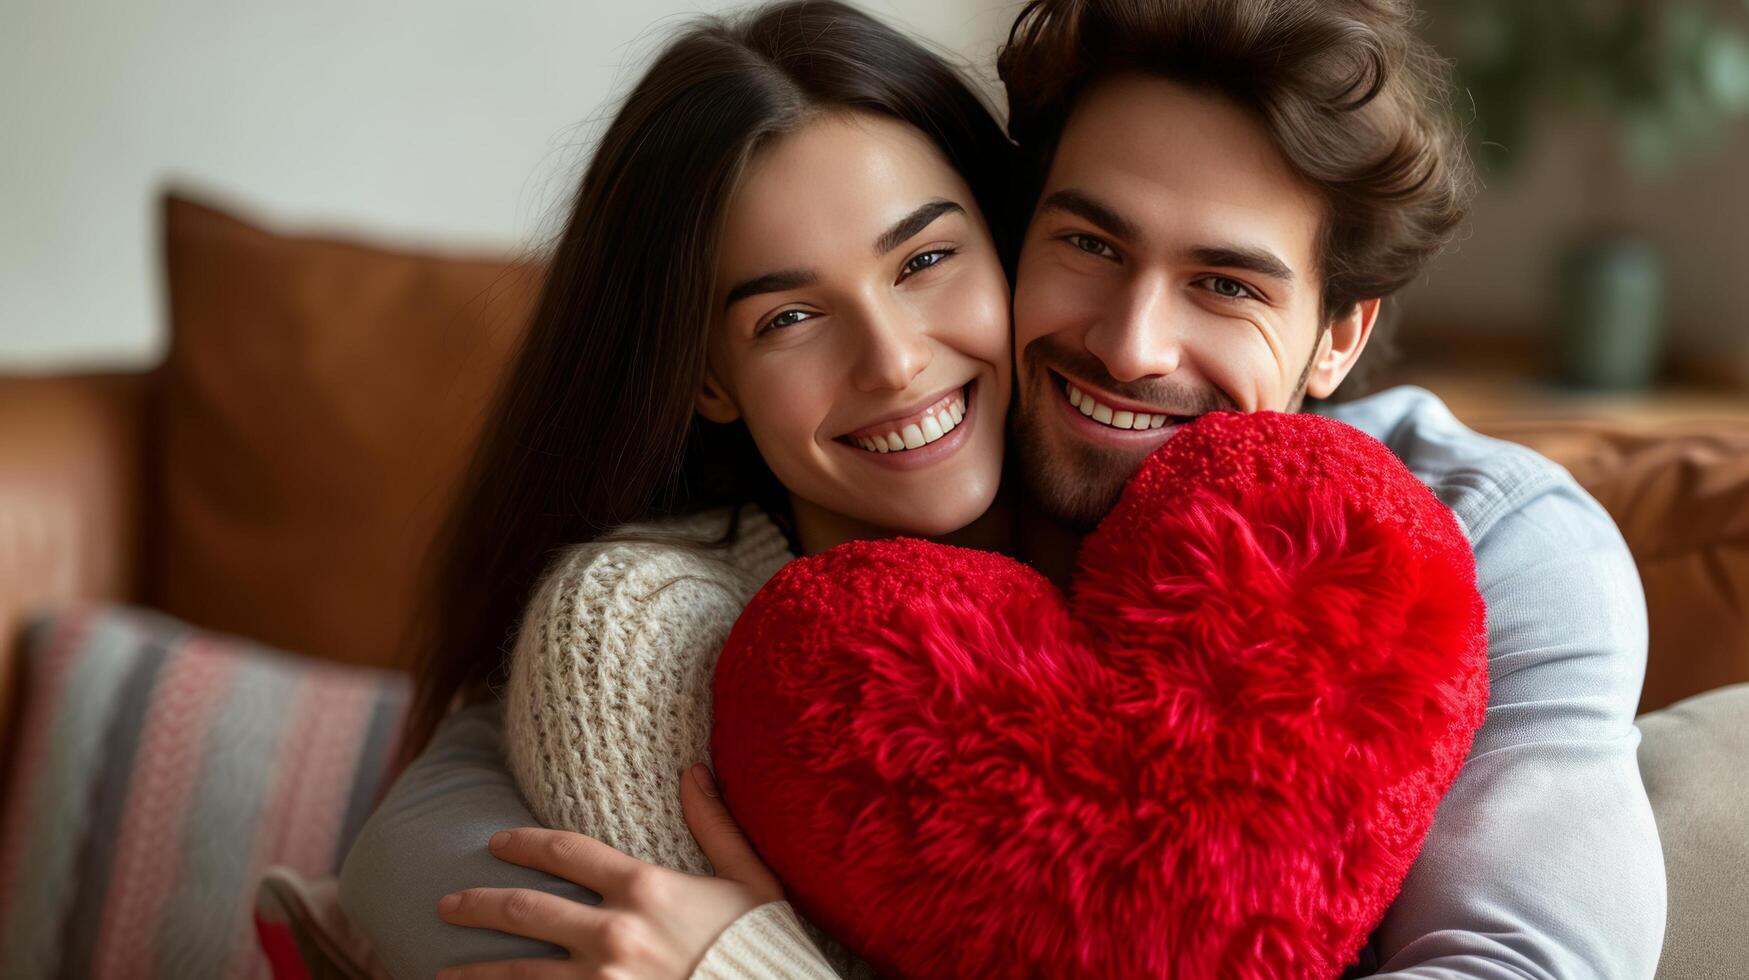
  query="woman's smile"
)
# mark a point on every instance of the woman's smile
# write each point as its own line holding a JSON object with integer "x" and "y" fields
{"x": 918, "y": 438}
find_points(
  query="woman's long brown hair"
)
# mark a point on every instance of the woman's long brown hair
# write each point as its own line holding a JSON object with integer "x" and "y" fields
{"x": 595, "y": 426}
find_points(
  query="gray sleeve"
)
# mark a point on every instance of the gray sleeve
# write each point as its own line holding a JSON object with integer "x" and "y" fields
{"x": 1543, "y": 860}
{"x": 428, "y": 838}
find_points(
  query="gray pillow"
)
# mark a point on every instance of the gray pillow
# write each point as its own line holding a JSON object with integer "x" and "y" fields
{"x": 1693, "y": 758}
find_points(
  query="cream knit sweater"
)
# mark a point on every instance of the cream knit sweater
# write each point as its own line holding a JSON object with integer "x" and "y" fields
{"x": 610, "y": 698}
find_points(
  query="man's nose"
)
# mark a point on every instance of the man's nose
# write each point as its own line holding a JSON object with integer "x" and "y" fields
{"x": 1140, "y": 336}
{"x": 895, "y": 348}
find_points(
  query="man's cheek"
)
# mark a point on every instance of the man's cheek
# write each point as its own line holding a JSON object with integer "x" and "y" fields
{"x": 1241, "y": 369}
{"x": 1044, "y": 304}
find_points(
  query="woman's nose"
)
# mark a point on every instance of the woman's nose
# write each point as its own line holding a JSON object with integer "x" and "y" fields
{"x": 895, "y": 349}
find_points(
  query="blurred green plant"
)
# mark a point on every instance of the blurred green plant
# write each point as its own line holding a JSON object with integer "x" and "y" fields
{"x": 1669, "y": 76}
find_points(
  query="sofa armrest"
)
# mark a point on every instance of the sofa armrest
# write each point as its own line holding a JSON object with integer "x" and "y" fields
{"x": 70, "y": 485}
{"x": 1691, "y": 758}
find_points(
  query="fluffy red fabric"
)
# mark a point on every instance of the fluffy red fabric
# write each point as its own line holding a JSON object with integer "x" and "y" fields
{"x": 1217, "y": 759}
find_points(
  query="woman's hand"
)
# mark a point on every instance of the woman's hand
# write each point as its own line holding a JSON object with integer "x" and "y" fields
{"x": 652, "y": 922}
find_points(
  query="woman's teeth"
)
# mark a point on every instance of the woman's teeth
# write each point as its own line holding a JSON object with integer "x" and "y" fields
{"x": 922, "y": 430}
{"x": 1105, "y": 415}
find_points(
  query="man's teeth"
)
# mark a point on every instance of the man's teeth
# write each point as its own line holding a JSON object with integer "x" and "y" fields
{"x": 921, "y": 432}
{"x": 1116, "y": 419}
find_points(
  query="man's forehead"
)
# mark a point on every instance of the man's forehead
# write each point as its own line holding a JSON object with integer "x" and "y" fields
{"x": 1183, "y": 162}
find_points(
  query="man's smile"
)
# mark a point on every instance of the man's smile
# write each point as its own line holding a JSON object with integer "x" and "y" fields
{"x": 1098, "y": 416}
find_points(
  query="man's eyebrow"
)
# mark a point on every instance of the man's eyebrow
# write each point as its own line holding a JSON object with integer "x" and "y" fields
{"x": 1085, "y": 207}
{"x": 771, "y": 282}
{"x": 1252, "y": 259}
{"x": 913, "y": 223}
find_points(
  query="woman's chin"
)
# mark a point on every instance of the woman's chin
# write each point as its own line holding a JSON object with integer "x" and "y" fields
{"x": 937, "y": 517}
{"x": 919, "y": 505}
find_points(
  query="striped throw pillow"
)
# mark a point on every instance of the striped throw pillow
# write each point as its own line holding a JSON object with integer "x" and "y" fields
{"x": 158, "y": 771}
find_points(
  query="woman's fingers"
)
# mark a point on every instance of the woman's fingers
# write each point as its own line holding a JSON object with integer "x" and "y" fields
{"x": 529, "y": 969}
{"x": 577, "y": 858}
{"x": 523, "y": 912}
{"x": 719, "y": 836}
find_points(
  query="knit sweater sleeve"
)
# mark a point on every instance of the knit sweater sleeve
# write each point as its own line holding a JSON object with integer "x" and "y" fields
{"x": 608, "y": 701}
{"x": 768, "y": 941}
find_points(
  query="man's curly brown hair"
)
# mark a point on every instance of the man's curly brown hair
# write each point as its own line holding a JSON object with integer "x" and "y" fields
{"x": 1356, "y": 102}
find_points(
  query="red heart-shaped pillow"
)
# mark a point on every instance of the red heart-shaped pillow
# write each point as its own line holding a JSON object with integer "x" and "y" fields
{"x": 1217, "y": 759}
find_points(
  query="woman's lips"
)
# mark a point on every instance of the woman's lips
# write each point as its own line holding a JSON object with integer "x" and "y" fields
{"x": 935, "y": 421}
{"x": 927, "y": 451}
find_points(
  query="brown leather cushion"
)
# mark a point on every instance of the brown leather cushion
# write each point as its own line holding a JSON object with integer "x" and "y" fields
{"x": 1680, "y": 494}
{"x": 318, "y": 403}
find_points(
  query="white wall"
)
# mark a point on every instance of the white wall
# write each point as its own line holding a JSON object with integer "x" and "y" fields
{"x": 442, "y": 120}
{"x": 1500, "y": 278}
{"x": 464, "y": 122}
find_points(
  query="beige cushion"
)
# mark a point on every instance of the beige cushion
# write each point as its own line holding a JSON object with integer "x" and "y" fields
{"x": 1694, "y": 758}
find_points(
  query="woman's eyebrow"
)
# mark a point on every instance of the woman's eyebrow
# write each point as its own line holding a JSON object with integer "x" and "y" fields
{"x": 903, "y": 229}
{"x": 771, "y": 282}
{"x": 913, "y": 223}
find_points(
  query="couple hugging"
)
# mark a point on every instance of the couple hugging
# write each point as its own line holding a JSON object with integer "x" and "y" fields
{"x": 810, "y": 301}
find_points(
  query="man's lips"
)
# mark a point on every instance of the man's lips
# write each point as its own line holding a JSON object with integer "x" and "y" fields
{"x": 1114, "y": 412}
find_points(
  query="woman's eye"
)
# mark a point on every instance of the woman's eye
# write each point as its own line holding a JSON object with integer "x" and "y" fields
{"x": 1229, "y": 288}
{"x": 788, "y": 318}
{"x": 917, "y": 263}
{"x": 1091, "y": 245}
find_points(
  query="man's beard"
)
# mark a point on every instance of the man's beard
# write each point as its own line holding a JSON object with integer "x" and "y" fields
{"x": 1073, "y": 481}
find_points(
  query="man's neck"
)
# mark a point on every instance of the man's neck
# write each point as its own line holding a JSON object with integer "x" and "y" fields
{"x": 1046, "y": 544}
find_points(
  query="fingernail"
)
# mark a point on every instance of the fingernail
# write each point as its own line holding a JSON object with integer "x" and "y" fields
{"x": 498, "y": 840}
{"x": 449, "y": 903}
{"x": 702, "y": 774}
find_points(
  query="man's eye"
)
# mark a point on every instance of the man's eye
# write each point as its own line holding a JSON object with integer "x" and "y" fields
{"x": 788, "y": 318}
{"x": 1229, "y": 288}
{"x": 1091, "y": 245}
{"x": 923, "y": 260}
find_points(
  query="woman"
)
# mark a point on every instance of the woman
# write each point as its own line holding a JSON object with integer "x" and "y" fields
{"x": 776, "y": 321}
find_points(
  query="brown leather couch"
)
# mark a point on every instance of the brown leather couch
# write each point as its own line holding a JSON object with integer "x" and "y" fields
{"x": 281, "y": 474}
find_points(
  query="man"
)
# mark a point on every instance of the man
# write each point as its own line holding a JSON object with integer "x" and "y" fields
{"x": 1218, "y": 221}
{"x": 1226, "y": 192}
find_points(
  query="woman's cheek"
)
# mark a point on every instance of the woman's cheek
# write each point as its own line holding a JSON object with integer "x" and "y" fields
{"x": 997, "y": 317}
{"x": 782, "y": 403}
{"x": 974, "y": 323}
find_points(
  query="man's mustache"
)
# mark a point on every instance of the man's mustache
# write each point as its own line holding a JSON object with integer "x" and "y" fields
{"x": 1172, "y": 397}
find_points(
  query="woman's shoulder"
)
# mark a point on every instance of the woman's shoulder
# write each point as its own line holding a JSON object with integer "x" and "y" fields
{"x": 608, "y": 582}
{"x": 713, "y": 544}
{"x": 608, "y": 688}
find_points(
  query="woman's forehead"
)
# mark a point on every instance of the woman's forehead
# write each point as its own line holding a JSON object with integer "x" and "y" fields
{"x": 830, "y": 188}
